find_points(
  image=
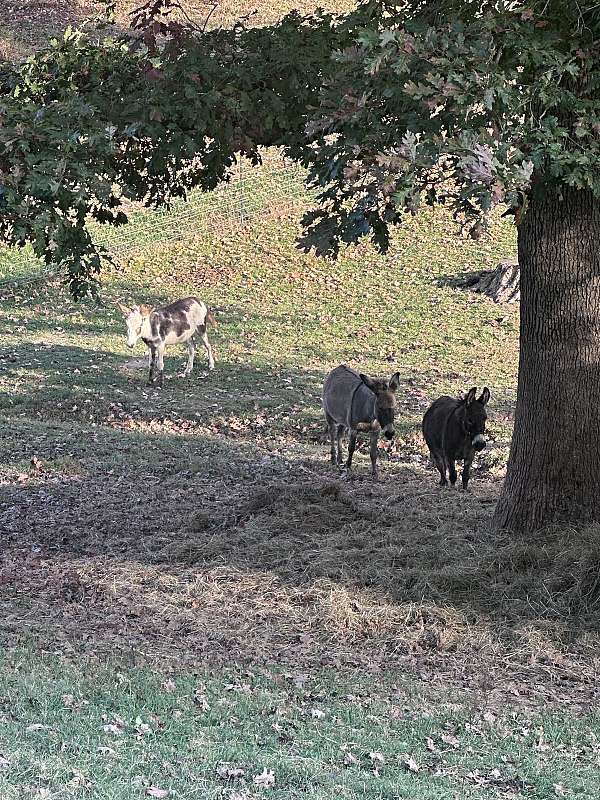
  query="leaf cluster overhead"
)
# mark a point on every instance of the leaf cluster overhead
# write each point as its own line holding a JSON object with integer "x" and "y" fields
{"x": 395, "y": 105}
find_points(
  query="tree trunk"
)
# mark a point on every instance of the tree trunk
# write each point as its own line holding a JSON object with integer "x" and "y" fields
{"x": 502, "y": 285}
{"x": 554, "y": 464}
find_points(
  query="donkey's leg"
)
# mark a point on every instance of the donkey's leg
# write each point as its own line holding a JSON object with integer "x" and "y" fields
{"x": 191, "y": 347}
{"x": 160, "y": 362}
{"x": 151, "y": 364}
{"x": 206, "y": 343}
{"x": 438, "y": 460}
{"x": 374, "y": 451}
{"x": 340, "y": 433}
{"x": 451, "y": 469}
{"x": 332, "y": 425}
{"x": 351, "y": 448}
{"x": 466, "y": 473}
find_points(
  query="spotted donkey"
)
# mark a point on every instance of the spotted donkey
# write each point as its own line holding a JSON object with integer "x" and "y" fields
{"x": 173, "y": 324}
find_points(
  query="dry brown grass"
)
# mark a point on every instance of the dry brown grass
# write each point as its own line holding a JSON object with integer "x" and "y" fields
{"x": 296, "y": 566}
{"x": 29, "y": 24}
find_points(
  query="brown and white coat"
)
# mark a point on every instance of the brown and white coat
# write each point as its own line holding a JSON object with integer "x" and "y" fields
{"x": 176, "y": 323}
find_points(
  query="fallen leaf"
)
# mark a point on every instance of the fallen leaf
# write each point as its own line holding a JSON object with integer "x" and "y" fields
{"x": 201, "y": 700}
{"x": 299, "y": 680}
{"x": 116, "y": 726}
{"x": 229, "y": 773}
{"x": 79, "y": 780}
{"x": 451, "y": 740}
{"x": 169, "y": 685}
{"x": 114, "y": 729}
{"x": 411, "y": 765}
{"x": 141, "y": 727}
{"x": 154, "y": 791}
{"x": 316, "y": 713}
{"x": 266, "y": 779}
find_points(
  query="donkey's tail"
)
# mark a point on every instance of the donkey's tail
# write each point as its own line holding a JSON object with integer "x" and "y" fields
{"x": 210, "y": 317}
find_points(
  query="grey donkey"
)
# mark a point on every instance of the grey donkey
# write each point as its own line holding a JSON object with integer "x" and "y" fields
{"x": 354, "y": 402}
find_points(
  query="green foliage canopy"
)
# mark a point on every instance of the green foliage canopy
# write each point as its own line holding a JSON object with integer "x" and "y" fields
{"x": 398, "y": 104}
{"x": 85, "y": 125}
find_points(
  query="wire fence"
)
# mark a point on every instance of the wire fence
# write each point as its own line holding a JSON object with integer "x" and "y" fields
{"x": 276, "y": 186}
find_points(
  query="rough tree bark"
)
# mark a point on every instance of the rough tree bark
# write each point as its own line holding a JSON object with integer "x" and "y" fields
{"x": 554, "y": 464}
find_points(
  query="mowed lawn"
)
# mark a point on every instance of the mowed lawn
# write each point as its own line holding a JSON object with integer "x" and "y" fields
{"x": 257, "y": 733}
{"x": 195, "y": 602}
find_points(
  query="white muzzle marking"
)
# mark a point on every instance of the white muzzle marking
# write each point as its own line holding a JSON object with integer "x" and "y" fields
{"x": 479, "y": 441}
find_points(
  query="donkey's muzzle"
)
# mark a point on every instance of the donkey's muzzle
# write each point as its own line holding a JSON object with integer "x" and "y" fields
{"x": 479, "y": 443}
{"x": 390, "y": 434}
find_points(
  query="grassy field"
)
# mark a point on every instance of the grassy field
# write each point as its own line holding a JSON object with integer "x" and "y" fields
{"x": 257, "y": 733}
{"x": 199, "y": 533}
{"x": 195, "y": 604}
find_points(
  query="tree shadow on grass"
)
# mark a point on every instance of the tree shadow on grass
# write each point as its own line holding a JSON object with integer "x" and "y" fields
{"x": 242, "y": 400}
{"x": 196, "y": 545}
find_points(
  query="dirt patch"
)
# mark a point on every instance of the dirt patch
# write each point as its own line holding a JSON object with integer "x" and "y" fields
{"x": 135, "y": 364}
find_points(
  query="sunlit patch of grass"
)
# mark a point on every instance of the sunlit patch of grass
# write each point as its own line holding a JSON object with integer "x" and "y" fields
{"x": 116, "y": 732}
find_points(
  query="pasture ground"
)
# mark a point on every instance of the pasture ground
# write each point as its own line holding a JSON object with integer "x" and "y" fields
{"x": 26, "y": 25}
{"x": 189, "y": 587}
{"x": 195, "y": 605}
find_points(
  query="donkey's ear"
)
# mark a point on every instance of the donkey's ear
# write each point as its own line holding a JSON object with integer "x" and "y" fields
{"x": 367, "y": 381}
{"x": 470, "y": 396}
{"x": 485, "y": 396}
{"x": 394, "y": 382}
{"x": 124, "y": 310}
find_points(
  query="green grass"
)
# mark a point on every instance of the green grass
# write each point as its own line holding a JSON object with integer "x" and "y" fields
{"x": 188, "y": 587}
{"x": 116, "y": 732}
{"x": 199, "y": 533}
